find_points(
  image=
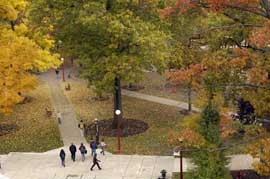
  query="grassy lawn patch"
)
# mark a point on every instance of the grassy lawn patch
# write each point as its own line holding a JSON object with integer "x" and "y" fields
{"x": 33, "y": 130}
{"x": 160, "y": 118}
{"x": 157, "y": 85}
{"x": 176, "y": 175}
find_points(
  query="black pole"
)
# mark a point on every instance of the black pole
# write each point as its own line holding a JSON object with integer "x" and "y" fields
{"x": 117, "y": 102}
{"x": 181, "y": 164}
{"x": 97, "y": 133}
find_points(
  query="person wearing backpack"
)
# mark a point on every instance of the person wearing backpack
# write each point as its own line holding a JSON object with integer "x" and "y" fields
{"x": 93, "y": 147}
{"x": 57, "y": 73}
{"x": 62, "y": 157}
{"x": 83, "y": 151}
{"x": 73, "y": 151}
{"x": 81, "y": 126}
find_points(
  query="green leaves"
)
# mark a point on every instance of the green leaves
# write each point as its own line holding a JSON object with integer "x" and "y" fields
{"x": 121, "y": 45}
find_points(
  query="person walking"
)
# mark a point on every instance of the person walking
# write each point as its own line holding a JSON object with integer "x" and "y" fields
{"x": 93, "y": 147}
{"x": 62, "y": 157}
{"x": 57, "y": 73}
{"x": 83, "y": 151}
{"x": 73, "y": 151}
{"x": 95, "y": 162}
{"x": 59, "y": 117}
{"x": 81, "y": 126}
{"x": 102, "y": 146}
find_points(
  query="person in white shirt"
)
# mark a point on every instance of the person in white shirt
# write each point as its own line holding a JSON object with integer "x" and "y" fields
{"x": 102, "y": 146}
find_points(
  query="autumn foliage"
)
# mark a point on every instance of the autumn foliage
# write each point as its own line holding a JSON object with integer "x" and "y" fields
{"x": 19, "y": 56}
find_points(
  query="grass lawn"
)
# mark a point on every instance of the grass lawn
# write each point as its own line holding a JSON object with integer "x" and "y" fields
{"x": 34, "y": 131}
{"x": 176, "y": 175}
{"x": 160, "y": 118}
{"x": 154, "y": 84}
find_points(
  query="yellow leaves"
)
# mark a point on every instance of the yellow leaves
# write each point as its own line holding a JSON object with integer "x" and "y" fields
{"x": 191, "y": 121}
{"x": 262, "y": 166}
{"x": 18, "y": 56}
{"x": 31, "y": 125}
{"x": 7, "y": 10}
{"x": 259, "y": 99}
{"x": 21, "y": 29}
{"x": 45, "y": 41}
{"x": 10, "y": 8}
{"x": 186, "y": 138}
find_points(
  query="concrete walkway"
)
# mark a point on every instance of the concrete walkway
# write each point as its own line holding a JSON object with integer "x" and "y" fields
{"x": 159, "y": 100}
{"x": 47, "y": 166}
{"x": 69, "y": 127}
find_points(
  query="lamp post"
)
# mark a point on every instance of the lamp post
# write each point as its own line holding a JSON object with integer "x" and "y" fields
{"x": 97, "y": 131}
{"x": 118, "y": 112}
{"x": 181, "y": 158}
{"x": 63, "y": 69}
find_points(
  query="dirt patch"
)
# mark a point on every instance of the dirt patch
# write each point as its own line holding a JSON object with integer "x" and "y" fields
{"x": 130, "y": 127}
{"x": 246, "y": 174}
{"x": 7, "y": 128}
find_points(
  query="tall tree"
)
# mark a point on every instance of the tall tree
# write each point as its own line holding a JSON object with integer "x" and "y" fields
{"x": 19, "y": 55}
{"x": 113, "y": 43}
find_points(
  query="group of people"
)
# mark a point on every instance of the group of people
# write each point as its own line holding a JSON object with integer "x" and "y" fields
{"x": 93, "y": 145}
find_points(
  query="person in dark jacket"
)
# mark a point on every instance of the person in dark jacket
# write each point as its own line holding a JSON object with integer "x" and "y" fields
{"x": 95, "y": 162}
{"x": 62, "y": 157}
{"x": 94, "y": 148}
{"x": 73, "y": 151}
{"x": 57, "y": 73}
{"x": 83, "y": 151}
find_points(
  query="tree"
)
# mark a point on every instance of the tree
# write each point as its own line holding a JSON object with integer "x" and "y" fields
{"x": 128, "y": 46}
{"x": 201, "y": 134}
{"x": 113, "y": 49}
{"x": 259, "y": 149}
{"x": 187, "y": 78}
{"x": 19, "y": 55}
{"x": 236, "y": 33}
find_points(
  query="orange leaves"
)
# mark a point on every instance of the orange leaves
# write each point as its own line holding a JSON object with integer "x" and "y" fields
{"x": 260, "y": 37}
{"x": 163, "y": 13}
{"x": 226, "y": 127}
{"x": 262, "y": 166}
{"x": 221, "y": 4}
{"x": 186, "y": 138}
{"x": 187, "y": 77}
{"x": 184, "y": 5}
{"x": 260, "y": 148}
{"x": 215, "y": 5}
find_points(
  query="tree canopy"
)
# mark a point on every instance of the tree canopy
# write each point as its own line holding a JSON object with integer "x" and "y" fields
{"x": 20, "y": 54}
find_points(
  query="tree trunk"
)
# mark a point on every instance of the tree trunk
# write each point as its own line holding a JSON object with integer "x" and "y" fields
{"x": 189, "y": 99}
{"x": 226, "y": 94}
{"x": 117, "y": 103}
{"x": 266, "y": 6}
{"x": 141, "y": 2}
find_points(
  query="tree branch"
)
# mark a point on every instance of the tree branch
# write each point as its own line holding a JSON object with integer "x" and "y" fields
{"x": 233, "y": 6}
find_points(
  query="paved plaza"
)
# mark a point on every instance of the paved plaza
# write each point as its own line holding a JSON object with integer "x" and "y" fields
{"x": 47, "y": 166}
